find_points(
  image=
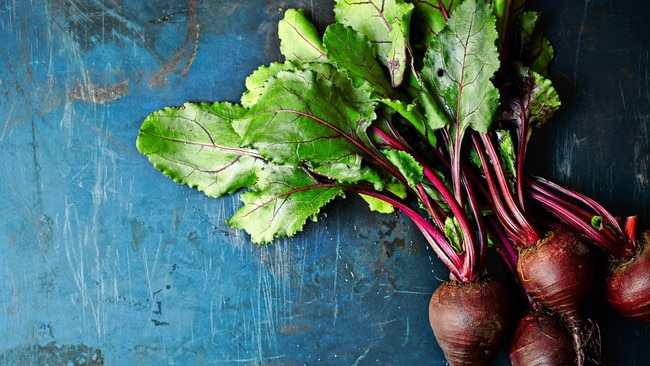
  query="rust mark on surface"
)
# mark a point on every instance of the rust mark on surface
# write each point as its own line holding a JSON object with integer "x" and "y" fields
{"x": 138, "y": 233}
{"x": 53, "y": 354}
{"x": 93, "y": 93}
{"x": 182, "y": 58}
{"x": 159, "y": 323}
{"x": 168, "y": 17}
{"x": 45, "y": 229}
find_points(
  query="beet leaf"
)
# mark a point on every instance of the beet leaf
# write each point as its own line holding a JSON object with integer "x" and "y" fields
{"x": 284, "y": 198}
{"x": 386, "y": 23}
{"x": 299, "y": 39}
{"x": 458, "y": 67}
{"x": 196, "y": 145}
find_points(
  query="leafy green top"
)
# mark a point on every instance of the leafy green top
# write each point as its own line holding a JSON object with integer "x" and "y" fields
{"x": 367, "y": 108}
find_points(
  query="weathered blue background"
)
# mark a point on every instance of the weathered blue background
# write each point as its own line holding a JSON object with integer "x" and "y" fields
{"x": 99, "y": 253}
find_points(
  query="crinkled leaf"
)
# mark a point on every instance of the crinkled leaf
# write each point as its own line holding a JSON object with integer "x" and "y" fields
{"x": 453, "y": 233}
{"x": 196, "y": 145}
{"x": 533, "y": 101}
{"x": 386, "y": 23}
{"x": 461, "y": 61}
{"x": 597, "y": 222}
{"x": 407, "y": 165}
{"x": 288, "y": 128}
{"x": 352, "y": 51}
{"x": 299, "y": 39}
{"x": 284, "y": 199}
{"x": 436, "y": 116}
{"x": 357, "y": 89}
{"x": 255, "y": 81}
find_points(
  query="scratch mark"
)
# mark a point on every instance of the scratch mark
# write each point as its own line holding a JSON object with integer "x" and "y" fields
{"x": 641, "y": 170}
{"x": 360, "y": 358}
{"x": 647, "y": 78}
{"x": 384, "y": 323}
{"x": 75, "y": 255}
{"x": 579, "y": 41}
{"x": 146, "y": 272}
{"x": 258, "y": 321}
{"x": 620, "y": 87}
{"x": 8, "y": 121}
{"x": 411, "y": 292}
{"x": 336, "y": 267}
{"x": 248, "y": 360}
{"x": 408, "y": 333}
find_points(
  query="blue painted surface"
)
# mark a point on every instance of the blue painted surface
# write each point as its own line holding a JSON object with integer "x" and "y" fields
{"x": 101, "y": 253}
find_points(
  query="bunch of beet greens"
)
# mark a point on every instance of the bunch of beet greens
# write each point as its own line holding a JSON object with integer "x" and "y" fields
{"x": 425, "y": 107}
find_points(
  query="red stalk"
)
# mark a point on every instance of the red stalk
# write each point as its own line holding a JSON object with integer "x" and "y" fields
{"x": 471, "y": 245}
{"x": 610, "y": 237}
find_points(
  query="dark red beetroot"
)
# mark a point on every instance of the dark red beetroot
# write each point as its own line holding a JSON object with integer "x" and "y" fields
{"x": 558, "y": 273}
{"x": 541, "y": 339}
{"x": 628, "y": 287}
{"x": 470, "y": 320}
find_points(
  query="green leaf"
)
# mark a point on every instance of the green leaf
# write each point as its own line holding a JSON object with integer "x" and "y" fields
{"x": 256, "y": 82}
{"x": 196, "y": 145}
{"x": 459, "y": 64}
{"x": 508, "y": 156}
{"x": 436, "y": 116}
{"x": 543, "y": 100}
{"x": 288, "y": 128}
{"x": 353, "y": 52}
{"x": 386, "y": 23}
{"x": 414, "y": 114}
{"x": 284, "y": 199}
{"x": 597, "y": 222}
{"x": 381, "y": 206}
{"x": 378, "y": 205}
{"x": 299, "y": 39}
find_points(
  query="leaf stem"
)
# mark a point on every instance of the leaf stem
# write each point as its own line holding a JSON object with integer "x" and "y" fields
{"x": 471, "y": 245}
{"x": 609, "y": 236}
{"x": 506, "y": 207}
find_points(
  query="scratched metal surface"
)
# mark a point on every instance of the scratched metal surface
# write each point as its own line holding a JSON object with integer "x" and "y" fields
{"x": 104, "y": 259}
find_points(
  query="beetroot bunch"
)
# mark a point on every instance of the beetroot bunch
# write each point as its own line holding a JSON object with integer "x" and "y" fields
{"x": 426, "y": 107}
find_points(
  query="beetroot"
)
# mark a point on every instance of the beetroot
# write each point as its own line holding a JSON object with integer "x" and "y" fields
{"x": 470, "y": 320}
{"x": 558, "y": 273}
{"x": 628, "y": 286}
{"x": 540, "y": 339}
